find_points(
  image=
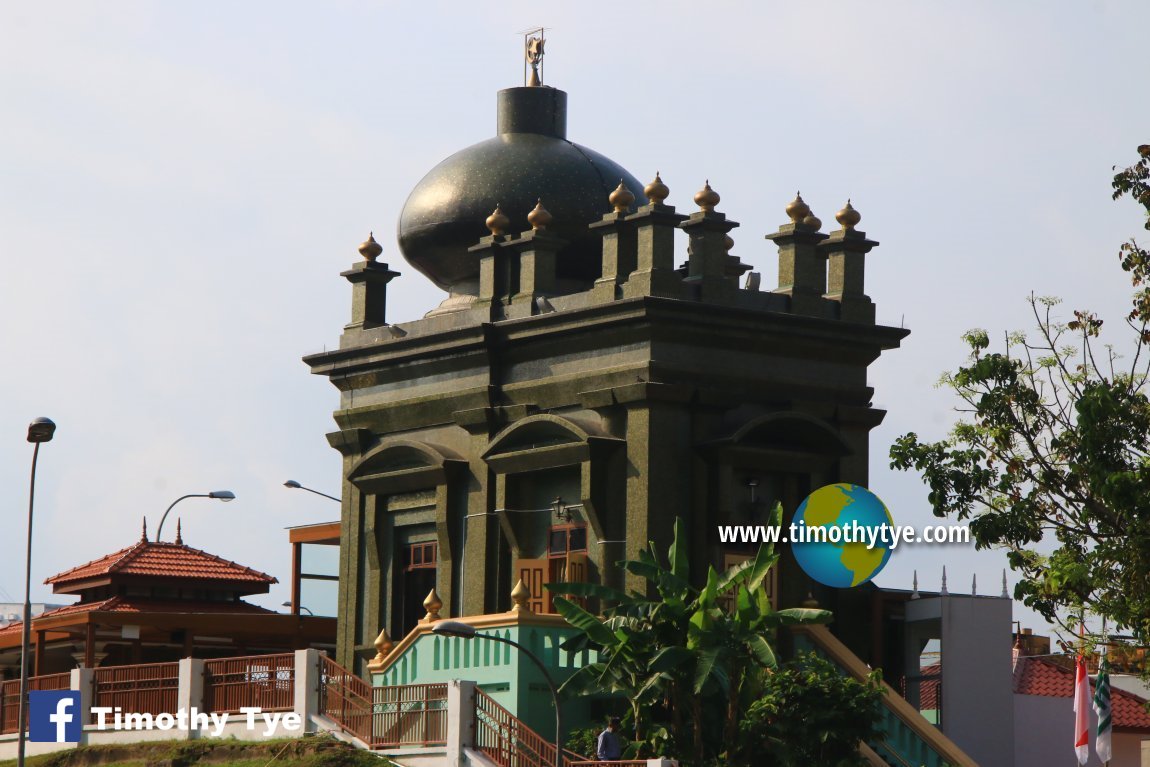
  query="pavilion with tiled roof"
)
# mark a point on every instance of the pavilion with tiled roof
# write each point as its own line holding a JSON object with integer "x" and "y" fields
{"x": 156, "y": 601}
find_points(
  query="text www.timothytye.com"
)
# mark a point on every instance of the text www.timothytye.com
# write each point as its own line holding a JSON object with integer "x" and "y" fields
{"x": 888, "y": 536}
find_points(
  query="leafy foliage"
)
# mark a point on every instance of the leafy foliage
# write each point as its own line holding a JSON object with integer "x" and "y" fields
{"x": 811, "y": 713}
{"x": 689, "y": 659}
{"x": 1051, "y": 459}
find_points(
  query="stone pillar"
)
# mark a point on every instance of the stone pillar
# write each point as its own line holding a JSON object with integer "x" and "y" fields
{"x": 369, "y": 280}
{"x": 655, "y": 246}
{"x": 802, "y": 268}
{"x": 460, "y": 721}
{"x": 707, "y": 252}
{"x": 536, "y": 252}
{"x": 620, "y": 256}
{"x": 846, "y": 251}
{"x": 496, "y": 280}
{"x": 81, "y": 681}
{"x": 191, "y": 691}
{"x": 306, "y": 692}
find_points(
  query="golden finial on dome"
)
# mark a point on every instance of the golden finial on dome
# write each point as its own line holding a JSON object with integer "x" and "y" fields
{"x": 497, "y": 222}
{"x": 707, "y": 198}
{"x": 369, "y": 248}
{"x": 432, "y": 604}
{"x": 813, "y": 221}
{"x": 622, "y": 198}
{"x": 728, "y": 242}
{"x": 539, "y": 217}
{"x": 797, "y": 209}
{"x": 656, "y": 191}
{"x": 520, "y": 596}
{"x": 848, "y": 217}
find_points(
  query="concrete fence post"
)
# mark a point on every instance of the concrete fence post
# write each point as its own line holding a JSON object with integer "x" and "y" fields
{"x": 191, "y": 690}
{"x": 460, "y": 721}
{"x": 81, "y": 681}
{"x": 307, "y": 683}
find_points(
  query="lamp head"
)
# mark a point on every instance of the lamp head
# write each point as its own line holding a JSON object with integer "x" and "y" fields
{"x": 41, "y": 430}
{"x": 453, "y": 629}
{"x": 222, "y": 495}
{"x": 292, "y": 484}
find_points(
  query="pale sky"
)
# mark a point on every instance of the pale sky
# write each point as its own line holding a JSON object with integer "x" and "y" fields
{"x": 181, "y": 184}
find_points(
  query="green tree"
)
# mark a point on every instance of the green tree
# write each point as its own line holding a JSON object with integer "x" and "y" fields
{"x": 1051, "y": 458}
{"x": 681, "y": 652}
{"x": 811, "y": 713}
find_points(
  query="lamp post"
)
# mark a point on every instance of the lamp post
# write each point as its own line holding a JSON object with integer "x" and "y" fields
{"x": 289, "y": 604}
{"x": 39, "y": 431}
{"x": 219, "y": 495}
{"x": 297, "y": 486}
{"x": 459, "y": 629}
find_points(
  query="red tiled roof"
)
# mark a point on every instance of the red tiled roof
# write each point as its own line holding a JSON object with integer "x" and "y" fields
{"x": 166, "y": 560}
{"x": 132, "y": 605}
{"x": 1039, "y": 676}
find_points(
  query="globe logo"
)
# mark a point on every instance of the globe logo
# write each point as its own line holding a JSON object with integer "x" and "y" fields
{"x": 842, "y": 557}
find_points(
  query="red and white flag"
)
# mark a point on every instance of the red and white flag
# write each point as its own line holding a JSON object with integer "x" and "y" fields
{"x": 1081, "y": 711}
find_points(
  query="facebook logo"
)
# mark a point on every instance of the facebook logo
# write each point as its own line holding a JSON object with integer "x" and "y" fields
{"x": 54, "y": 716}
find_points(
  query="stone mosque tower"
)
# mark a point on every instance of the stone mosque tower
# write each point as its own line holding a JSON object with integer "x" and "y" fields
{"x": 601, "y": 366}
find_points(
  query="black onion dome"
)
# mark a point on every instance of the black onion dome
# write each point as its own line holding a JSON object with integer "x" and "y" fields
{"x": 530, "y": 159}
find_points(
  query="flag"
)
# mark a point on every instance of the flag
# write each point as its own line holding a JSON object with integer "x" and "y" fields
{"x": 1081, "y": 711}
{"x": 1102, "y": 709}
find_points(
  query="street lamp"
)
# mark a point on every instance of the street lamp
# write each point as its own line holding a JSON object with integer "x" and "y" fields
{"x": 40, "y": 430}
{"x": 289, "y": 604}
{"x": 460, "y": 629}
{"x": 297, "y": 486}
{"x": 219, "y": 495}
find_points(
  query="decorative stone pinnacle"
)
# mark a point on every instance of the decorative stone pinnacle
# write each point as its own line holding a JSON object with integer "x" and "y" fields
{"x": 621, "y": 199}
{"x": 707, "y": 198}
{"x": 520, "y": 596}
{"x": 369, "y": 248}
{"x": 797, "y": 209}
{"x": 383, "y": 645}
{"x": 813, "y": 221}
{"x": 179, "y": 531}
{"x": 656, "y": 191}
{"x": 432, "y": 604}
{"x": 539, "y": 217}
{"x": 848, "y": 217}
{"x": 497, "y": 222}
{"x": 144, "y": 532}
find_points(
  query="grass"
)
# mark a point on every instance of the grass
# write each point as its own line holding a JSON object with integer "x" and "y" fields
{"x": 318, "y": 751}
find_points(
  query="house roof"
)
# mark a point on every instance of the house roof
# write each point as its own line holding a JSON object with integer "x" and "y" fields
{"x": 1039, "y": 676}
{"x": 161, "y": 560}
{"x": 121, "y": 604}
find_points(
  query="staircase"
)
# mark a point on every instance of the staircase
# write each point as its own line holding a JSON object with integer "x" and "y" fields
{"x": 908, "y": 739}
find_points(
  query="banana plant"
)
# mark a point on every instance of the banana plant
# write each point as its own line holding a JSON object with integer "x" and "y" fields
{"x": 686, "y": 647}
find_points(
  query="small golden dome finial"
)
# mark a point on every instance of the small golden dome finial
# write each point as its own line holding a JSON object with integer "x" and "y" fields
{"x": 707, "y": 198}
{"x": 656, "y": 191}
{"x": 539, "y": 217}
{"x": 520, "y": 596}
{"x": 848, "y": 217}
{"x": 797, "y": 209}
{"x": 383, "y": 645}
{"x": 497, "y": 222}
{"x": 432, "y": 604}
{"x": 369, "y": 248}
{"x": 622, "y": 198}
{"x": 813, "y": 221}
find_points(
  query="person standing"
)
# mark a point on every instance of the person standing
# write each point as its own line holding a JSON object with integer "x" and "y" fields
{"x": 609, "y": 749}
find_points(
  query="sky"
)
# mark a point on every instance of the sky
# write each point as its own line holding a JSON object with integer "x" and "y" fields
{"x": 181, "y": 184}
